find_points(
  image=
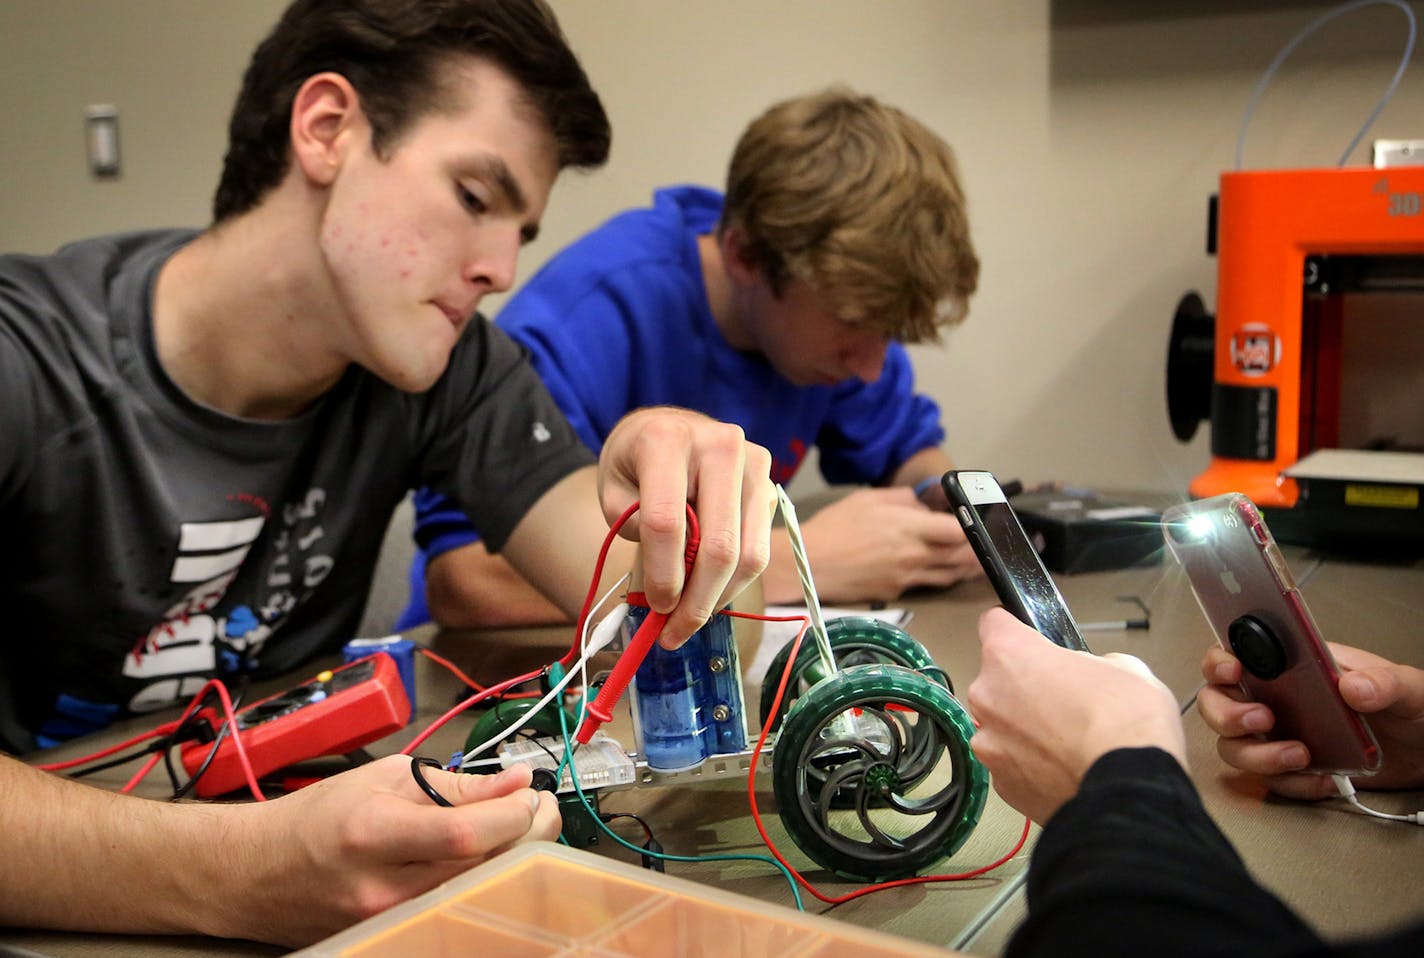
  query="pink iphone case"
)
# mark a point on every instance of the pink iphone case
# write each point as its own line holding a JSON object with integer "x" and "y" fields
{"x": 1249, "y": 597}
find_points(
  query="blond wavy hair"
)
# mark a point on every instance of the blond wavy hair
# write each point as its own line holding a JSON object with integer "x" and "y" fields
{"x": 863, "y": 203}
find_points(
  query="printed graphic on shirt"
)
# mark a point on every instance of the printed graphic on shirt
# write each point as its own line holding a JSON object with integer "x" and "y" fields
{"x": 196, "y": 640}
{"x": 782, "y": 470}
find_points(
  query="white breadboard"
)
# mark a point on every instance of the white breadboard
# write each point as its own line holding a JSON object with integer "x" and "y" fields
{"x": 602, "y": 763}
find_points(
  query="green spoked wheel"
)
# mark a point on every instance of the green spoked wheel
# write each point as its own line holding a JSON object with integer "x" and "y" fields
{"x": 855, "y": 640}
{"x": 505, "y": 713}
{"x": 874, "y": 776}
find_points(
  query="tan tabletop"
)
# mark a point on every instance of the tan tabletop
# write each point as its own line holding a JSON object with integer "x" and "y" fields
{"x": 1345, "y": 872}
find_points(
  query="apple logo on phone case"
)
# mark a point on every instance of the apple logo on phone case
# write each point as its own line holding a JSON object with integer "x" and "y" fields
{"x": 1228, "y": 579}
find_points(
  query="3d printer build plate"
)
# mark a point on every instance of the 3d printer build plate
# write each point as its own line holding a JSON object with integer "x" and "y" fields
{"x": 542, "y": 900}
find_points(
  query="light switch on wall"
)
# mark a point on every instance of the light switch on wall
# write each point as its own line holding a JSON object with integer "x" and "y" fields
{"x": 101, "y": 138}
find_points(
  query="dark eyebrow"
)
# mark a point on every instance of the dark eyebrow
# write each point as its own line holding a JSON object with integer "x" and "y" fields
{"x": 496, "y": 171}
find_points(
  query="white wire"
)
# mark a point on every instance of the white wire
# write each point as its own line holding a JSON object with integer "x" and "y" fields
{"x": 808, "y": 586}
{"x": 602, "y": 636}
{"x": 520, "y": 723}
{"x": 1347, "y": 792}
{"x": 579, "y": 668}
{"x": 1290, "y": 47}
{"x": 610, "y": 625}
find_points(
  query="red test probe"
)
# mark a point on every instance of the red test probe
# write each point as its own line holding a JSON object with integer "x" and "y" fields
{"x": 601, "y": 709}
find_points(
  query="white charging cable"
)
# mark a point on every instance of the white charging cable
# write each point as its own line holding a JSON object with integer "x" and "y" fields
{"x": 1347, "y": 792}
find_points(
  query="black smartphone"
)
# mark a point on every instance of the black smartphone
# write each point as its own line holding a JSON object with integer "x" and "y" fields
{"x": 1249, "y": 597}
{"x": 1009, "y": 558}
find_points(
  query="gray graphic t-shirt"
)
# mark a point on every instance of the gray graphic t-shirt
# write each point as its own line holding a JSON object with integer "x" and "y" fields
{"x": 150, "y": 542}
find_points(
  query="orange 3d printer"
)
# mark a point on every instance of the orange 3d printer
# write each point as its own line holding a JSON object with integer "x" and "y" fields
{"x": 1301, "y": 255}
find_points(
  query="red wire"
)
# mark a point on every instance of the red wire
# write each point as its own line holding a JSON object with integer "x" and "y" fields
{"x": 756, "y": 813}
{"x": 473, "y": 699}
{"x": 450, "y": 667}
{"x": 236, "y": 736}
{"x": 231, "y": 720}
{"x": 167, "y": 728}
{"x": 456, "y": 671}
{"x": 94, "y": 756}
{"x": 138, "y": 776}
{"x": 573, "y": 653}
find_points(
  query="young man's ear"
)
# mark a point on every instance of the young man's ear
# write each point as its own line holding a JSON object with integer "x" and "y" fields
{"x": 736, "y": 256}
{"x": 326, "y": 117}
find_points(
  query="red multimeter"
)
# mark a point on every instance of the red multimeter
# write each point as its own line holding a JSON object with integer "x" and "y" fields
{"x": 337, "y": 711}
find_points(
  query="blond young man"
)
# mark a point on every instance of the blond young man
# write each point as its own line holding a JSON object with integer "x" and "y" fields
{"x": 843, "y": 235}
{"x": 206, "y": 431}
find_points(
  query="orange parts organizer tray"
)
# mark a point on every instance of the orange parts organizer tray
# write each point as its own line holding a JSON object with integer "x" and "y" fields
{"x": 543, "y": 900}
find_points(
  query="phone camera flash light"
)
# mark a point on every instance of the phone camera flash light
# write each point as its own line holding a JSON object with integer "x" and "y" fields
{"x": 1199, "y": 527}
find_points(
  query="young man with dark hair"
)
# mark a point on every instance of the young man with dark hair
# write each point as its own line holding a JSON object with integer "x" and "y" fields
{"x": 206, "y": 432}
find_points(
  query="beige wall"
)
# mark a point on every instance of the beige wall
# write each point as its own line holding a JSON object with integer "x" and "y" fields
{"x": 1090, "y": 133}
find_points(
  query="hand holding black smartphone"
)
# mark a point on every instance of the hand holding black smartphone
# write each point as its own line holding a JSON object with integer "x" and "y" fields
{"x": 1249, "y": 597}
{"x": 1009, "y": 558}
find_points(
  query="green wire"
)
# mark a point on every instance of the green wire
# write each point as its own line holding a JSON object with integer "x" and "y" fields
{"x": 556, "y": 673}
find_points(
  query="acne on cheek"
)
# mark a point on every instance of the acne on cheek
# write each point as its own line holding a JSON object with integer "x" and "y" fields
{"x": 412, "y": 255}
{"x": 337, "y": 232}
{"x": 334, "y": 237}
{"x": 414, "y": 250}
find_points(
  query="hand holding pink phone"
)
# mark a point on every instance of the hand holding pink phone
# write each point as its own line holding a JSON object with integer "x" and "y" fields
{"x": 1249, "y": 597}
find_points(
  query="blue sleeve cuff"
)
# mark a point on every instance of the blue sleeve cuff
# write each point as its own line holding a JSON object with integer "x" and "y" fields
{"x": 440, "y": 524}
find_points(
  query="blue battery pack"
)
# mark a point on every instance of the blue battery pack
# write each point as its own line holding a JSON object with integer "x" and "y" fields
{"x": 688, "y": 703}
{"x": 402, "y": 650}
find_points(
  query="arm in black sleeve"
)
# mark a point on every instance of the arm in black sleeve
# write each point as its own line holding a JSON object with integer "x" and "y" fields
{"x": 1133, "y": 866}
